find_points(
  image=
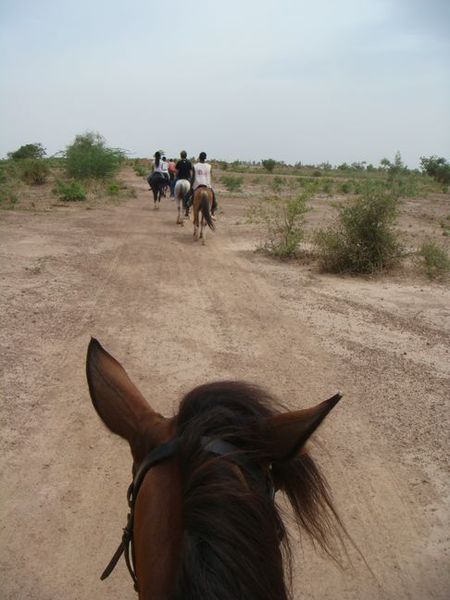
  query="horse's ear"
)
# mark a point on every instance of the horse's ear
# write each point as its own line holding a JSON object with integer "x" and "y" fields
{"x": 288, "y": 432}
{"x": 116, "y": 399}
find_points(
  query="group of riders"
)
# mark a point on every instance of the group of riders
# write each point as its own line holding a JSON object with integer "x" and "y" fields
{"x": 167, "y": 173}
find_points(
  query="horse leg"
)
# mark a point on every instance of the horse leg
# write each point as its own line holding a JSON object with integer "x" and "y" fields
{"x": 179, "y": 217}
{"x": 195, "y": 224}
{"x": 203, "y": 231}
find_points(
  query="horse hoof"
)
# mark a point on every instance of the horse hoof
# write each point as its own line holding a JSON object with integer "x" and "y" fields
{"x": 203, "y": 243}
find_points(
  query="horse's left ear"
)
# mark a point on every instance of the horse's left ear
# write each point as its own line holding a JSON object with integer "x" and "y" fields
{"x": 119, "y": 403}
{"x": 288, "y": 432}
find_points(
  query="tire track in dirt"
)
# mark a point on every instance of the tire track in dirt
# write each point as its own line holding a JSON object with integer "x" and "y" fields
{"x": 177, "y": 314}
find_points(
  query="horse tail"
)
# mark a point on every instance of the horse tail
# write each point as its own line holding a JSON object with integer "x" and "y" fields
{"x": 204, "y": 207}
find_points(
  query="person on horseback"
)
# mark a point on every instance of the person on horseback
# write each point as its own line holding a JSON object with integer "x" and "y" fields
{"x": 202, "y": 177}
{"x": 171, "y": 168}
{"x": 184, "y": 170}
{"x": 156, "y": 174}
{"x": 156, "y": 179}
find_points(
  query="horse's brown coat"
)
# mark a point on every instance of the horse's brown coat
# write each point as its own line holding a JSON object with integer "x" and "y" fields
{"x": 203, "y": 527}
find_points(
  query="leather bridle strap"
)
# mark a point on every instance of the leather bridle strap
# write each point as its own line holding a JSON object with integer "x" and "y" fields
{"x": 159, "y": 454}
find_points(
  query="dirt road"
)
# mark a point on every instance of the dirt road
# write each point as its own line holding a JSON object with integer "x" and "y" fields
{"x": 178, "y": 314}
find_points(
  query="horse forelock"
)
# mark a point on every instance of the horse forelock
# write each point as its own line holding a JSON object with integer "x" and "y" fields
{"x": 231, "y": 533}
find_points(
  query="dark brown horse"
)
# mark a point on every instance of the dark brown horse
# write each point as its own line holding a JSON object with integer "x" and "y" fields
{"x": 202, "y": 202}
{"x": 158, "y": 184}
{"x": 203, "y": 522}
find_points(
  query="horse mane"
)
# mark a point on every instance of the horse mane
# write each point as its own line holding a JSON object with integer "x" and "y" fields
{"x": 231, "y": 538}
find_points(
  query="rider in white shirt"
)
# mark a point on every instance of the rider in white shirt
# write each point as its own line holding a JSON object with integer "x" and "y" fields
{"x": 165, "y": 167}
{"x": 202, "y": 177}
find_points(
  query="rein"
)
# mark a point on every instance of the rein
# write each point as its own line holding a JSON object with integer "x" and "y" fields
{"x": 158, "y": 455}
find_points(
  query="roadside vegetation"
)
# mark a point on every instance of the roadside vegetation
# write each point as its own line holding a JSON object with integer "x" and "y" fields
{"x": 283, "y": 219}
{"x": 86, "y": 170}
{"x": 367, "y": 200}
{"x": 435, "y": 260}
{"x": 363, "y": 240}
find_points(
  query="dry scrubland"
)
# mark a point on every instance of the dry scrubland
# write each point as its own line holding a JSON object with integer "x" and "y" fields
{"x": 177, "y": 314}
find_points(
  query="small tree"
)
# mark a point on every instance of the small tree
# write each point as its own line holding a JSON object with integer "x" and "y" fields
{"x": 438, "y": 168}
{"x": 363, "y": 241}
{"x": 89, "y": 156}
{"x": 269, "y": 164}
{"x": 28, "y": 151}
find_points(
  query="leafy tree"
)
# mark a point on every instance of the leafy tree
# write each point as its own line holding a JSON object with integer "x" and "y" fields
{"x": 28, "y": 151}
{"x": 431, "y": 165}
{"x": 89, "y": 156}
{"x": 269, "y": 164}
{"x": 436, "y": 167}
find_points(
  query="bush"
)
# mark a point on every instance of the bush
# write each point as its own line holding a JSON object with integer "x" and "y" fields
{"x": 438, "y": 168}
{"x": 113, "y": 188}
{"x": 435, "y": 259}
{"x": 345, "y": 187}
{"x": 89, "y": 157}
{"x": 269, "y": 164}
{"x": 70, "y": 191}
{"x": 28, "y": 151}
{"x": 140, "y": 170}
{"x": 363, "y": 240}
{"x": 277, "y": 183}
{"x": 8, "y": 198}
{"x": 9, "y": 171}
{"x": 34, "y": 171}
{"x": 327, "y": 186}
{"x": 284, "y": 221}
{"x": 232, "y": 183}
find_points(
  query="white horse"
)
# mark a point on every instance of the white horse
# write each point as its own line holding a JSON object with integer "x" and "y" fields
{"x": 182, "y": 187}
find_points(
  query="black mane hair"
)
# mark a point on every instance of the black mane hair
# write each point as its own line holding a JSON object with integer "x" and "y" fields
{"x": 232, "y": 546}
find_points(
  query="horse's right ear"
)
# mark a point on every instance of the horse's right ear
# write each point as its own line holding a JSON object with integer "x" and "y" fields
{"x": 116, "y": 399}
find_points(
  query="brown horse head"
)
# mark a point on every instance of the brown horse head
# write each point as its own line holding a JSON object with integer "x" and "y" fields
{"x": 205, "y": 523}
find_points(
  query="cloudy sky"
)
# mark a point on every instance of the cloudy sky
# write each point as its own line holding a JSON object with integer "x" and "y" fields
{"x": 292, "y": 80}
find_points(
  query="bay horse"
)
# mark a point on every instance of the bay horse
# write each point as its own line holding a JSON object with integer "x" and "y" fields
{"x": 202, "y": 203}
{"x": 182, "y": 187}
{"x": 158, "y": 184}
{"x": 203, "y": 523}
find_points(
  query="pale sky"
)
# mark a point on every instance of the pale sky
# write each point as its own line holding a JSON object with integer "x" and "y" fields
{"x": 294, "y": 80}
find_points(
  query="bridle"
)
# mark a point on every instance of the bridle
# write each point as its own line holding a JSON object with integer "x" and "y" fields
{"x": 160, "y": 454}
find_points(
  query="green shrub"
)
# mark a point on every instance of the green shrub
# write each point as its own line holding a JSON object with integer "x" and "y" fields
{"x": 363, "y": 241}
{"x": 70, "y": 191}
{"x": 438, "y": 168}
{"x": 327, "y": 186}
{"x": 445, "y": 225}
{"x": 345, "y": 187}
{"x": 28, "y": 151}
{"x": 277, "y": 183}
{"x": 113, "y": 188}
{"x": 34, "y": 171}
{"x": 436, "y": 260}
{"x": 284, "y": 222}
{"x": 89, "y": 157}
{"x": 269, "y": 164}
{"x": 140, "y": 170}
{"x": 8, "y": 198}
{"x": 232, "y": 183}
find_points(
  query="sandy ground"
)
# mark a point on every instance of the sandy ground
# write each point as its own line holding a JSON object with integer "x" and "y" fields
{"x": 178, "y": 314}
